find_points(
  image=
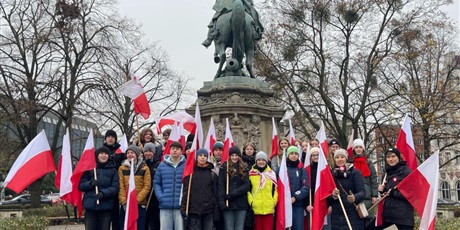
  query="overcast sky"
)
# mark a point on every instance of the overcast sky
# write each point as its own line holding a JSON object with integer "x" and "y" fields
{"x": 179, "y": 26}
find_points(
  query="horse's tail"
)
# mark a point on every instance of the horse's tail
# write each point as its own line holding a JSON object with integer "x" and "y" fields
{"x": 238, "y": 24}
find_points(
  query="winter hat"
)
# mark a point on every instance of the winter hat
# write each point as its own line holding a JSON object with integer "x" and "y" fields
{"x": 202, "y": 151}
{"x": 102, "y": 149}
{"x": 334, "y": 141}
{"x": 314, "y": 150}
{"x": 342, "y": 152}
{"x": 395, "y": 151}
{"x": 149, "y": 147}
{"x": 358, "y": 142}
{"x": 218, "y": 144}
{"x": 135, "y": 149}
{"x": 234, "y": 150}
{"x": 292, "y": 149}
{"x": 262, "y": 155}
{"x": 110, "y": 133}
{"x": 176, "y": 144}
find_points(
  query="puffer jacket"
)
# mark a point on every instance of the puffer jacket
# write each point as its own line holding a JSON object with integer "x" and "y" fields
{"x": 396, "y": 208}
{"x": 107, "y": 184}
{"x": 353, "y": 182}
{"x": 238, "y": 188}
{"x": 298, "y": 181}
{"x": 142, "y": 181}
{"x": 263, "y": 200}
{"x": 203, "y": 191}
{"x": 168, "y": 183}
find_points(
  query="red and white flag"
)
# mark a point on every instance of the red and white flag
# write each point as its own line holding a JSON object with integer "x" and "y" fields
{"x": 190, "y": 163}
{"x": 131, "y": 214}
{"x": 64, "y": 171}
{"x": 350, "y": 144}
{"x": 183, "y": 117}
{"x": 87, "y": 162}
{"x": 210, "y": 139}
{"x": 275, "y": 146}
{"x": 228, "y": 142}
{"x": 175, "y": 136}
{"x": 182, "y": 139}
{"x": 307, "y": 163}
{"x": 421, "y": 190}
{"x": 123, "y": 144}
{"x": 323, "y": 189}
{"x": 284, "y": 206}
{"x": 405, "y": 144}
{"x": 133, "y": 89}
{"x": 291, "y": 133}
{"x": 35, "y": 161}
{"x": 199, "y": 127}
{"x": 321, "y": 137}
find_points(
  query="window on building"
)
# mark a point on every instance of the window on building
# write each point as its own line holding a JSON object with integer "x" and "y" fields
{"x": 445, "y": 190}
{"x": 457, "y": 185}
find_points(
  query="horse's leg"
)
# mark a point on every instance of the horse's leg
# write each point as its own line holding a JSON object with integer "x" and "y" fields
{"x": 249, "y": 57}
{"x": 220, "y": 55}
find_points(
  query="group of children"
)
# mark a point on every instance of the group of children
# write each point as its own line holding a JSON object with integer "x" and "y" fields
{"x": 218, "y": 195}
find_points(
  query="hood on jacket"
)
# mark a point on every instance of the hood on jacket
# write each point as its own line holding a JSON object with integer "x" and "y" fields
{"x": 169, "y": 162}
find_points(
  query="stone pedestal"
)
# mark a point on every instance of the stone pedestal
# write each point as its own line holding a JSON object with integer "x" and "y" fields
{"x": 247, "y": 103}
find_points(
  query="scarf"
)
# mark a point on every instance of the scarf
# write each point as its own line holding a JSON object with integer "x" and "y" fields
{"x": 270, "y": 174}
{"x": 360, "y": 163}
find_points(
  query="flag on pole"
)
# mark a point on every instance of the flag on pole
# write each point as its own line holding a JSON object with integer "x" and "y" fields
{"x": 275, "y": 146}
{"x": 228, "y": 142}
{"x": 350, "y": 144}
{"x": 35, "y": 161}
{"x": 321, "y": 137}
{"x": 307, "y": 163}
{"x": 210, "y": 139}
{"x": 291, "y": 134}
{"x": 405, "y": 144}
{"x": 87, "y": 162}
{"x": 300, "y": 152}
{"x": 131, "y": 214}
{"x": 421, "y": 190}
{"x": 323, "y": 189}
{"x": 64, "y": 171}
{"x": 133, "y": 89}
{"x": 190, "y": 163}
{"x": 123, "y": 144}
{"x": 175, "y": 136}
{"x": 182, "y": 116}
{"x": 199, "y": 127}
{"x": 182, "y": 139}
{"x": 284, "y": 206}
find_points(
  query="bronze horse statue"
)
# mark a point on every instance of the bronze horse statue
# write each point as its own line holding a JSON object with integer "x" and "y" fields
{"x": 235, "y": 29}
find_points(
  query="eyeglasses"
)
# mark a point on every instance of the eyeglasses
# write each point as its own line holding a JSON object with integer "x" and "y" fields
{"x": 314, "y": 155}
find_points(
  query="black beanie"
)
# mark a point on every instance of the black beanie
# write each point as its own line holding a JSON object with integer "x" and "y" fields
{"x": 395, "y": 151}
{"x": 102, "y": 149}
{"x": 234, "y": 150}
{"x": 110, "y": 133}
{"x": 176, "y": 144}
{"x": 334, "y": 141}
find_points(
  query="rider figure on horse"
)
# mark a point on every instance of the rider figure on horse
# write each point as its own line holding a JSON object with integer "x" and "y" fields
{"x": 225, "y": 6}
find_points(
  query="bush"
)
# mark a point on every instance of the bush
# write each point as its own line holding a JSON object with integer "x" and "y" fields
{"x": 444, "y": 224}
{"x": 24, "y": 223}
{"x": 48, "y": 211}
{"x": 457, "y": 212}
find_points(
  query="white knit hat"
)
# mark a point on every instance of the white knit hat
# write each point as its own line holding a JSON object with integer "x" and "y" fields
{"x": 358, "y": 142}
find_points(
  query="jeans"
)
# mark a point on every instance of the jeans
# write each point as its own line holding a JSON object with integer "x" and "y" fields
{"x": 200, "y": 222}
{"x": 98, "y": 220}
{"x": 234, "y": 219}
{"x": 297, "y": 218}
{"x": 140, "y": 218}
{"x": 171, "y": 219}
{"x": 328, "y": 226}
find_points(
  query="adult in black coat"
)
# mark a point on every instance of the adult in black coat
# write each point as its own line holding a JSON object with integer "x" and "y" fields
{"x": 396, "y": 209}
{"x": 238, "y": 186}
{"x": 350, "y": 188}
{"x": 248, "y": 155}
{"x": 99, "y": 215}
{"x": 152, "y": 160}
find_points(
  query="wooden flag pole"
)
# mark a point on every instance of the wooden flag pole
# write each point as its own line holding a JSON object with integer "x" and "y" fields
{"x": 97, "y": 189}
{"x": 311, "y": 213}
{"x": 226, "y": 201}
{"x": 188, "y": 194}
{"x": 344, "y": 212}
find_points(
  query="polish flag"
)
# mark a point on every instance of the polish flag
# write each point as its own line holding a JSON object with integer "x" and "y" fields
{"x": 175, "y": 136}
{"x": 291, "y": 133}
{"x": 350, "y": 144}
{"x": 190, "y": 163}
{"x": 421, "y": 190}
{"x": 307, "y": 163}
{"x": 405, "y": 144}
{"x": 228, "y": 142}
{"x": 35, "y": 161}
{"x": 323, "y": 189}
{"x": 182, "y": 117}
{"x": 87, "y": 162}
{"x": 131, "y": 214}
{"x": 300, "y": 152}
{"x": 321, "y": 137}
{"x": 284, "y": 206}
{"x": 123, "y": 145}
{"x": 133, "y": 89}
{"x": 64, "y": 171}
{"x": 182, "y": 139}
{"x": 199, "y": 128}
{"x": 275, "y": 146}
{"x": 211, "y": 138}
{"x": 378, "y": 214}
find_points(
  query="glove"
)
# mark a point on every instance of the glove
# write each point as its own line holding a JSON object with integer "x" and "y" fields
{"x": 228, "y": 196}
{"x": 93, "y": 183}
{"x": 225, "y": 208}
{"x": 99, "y": 196}
{"x": 184, "y": 216}
{"x": 351, "y": 198}
{"x": 392, "y": 192}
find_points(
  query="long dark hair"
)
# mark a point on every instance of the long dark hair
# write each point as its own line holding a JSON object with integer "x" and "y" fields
{"x": 240, "y": 169}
